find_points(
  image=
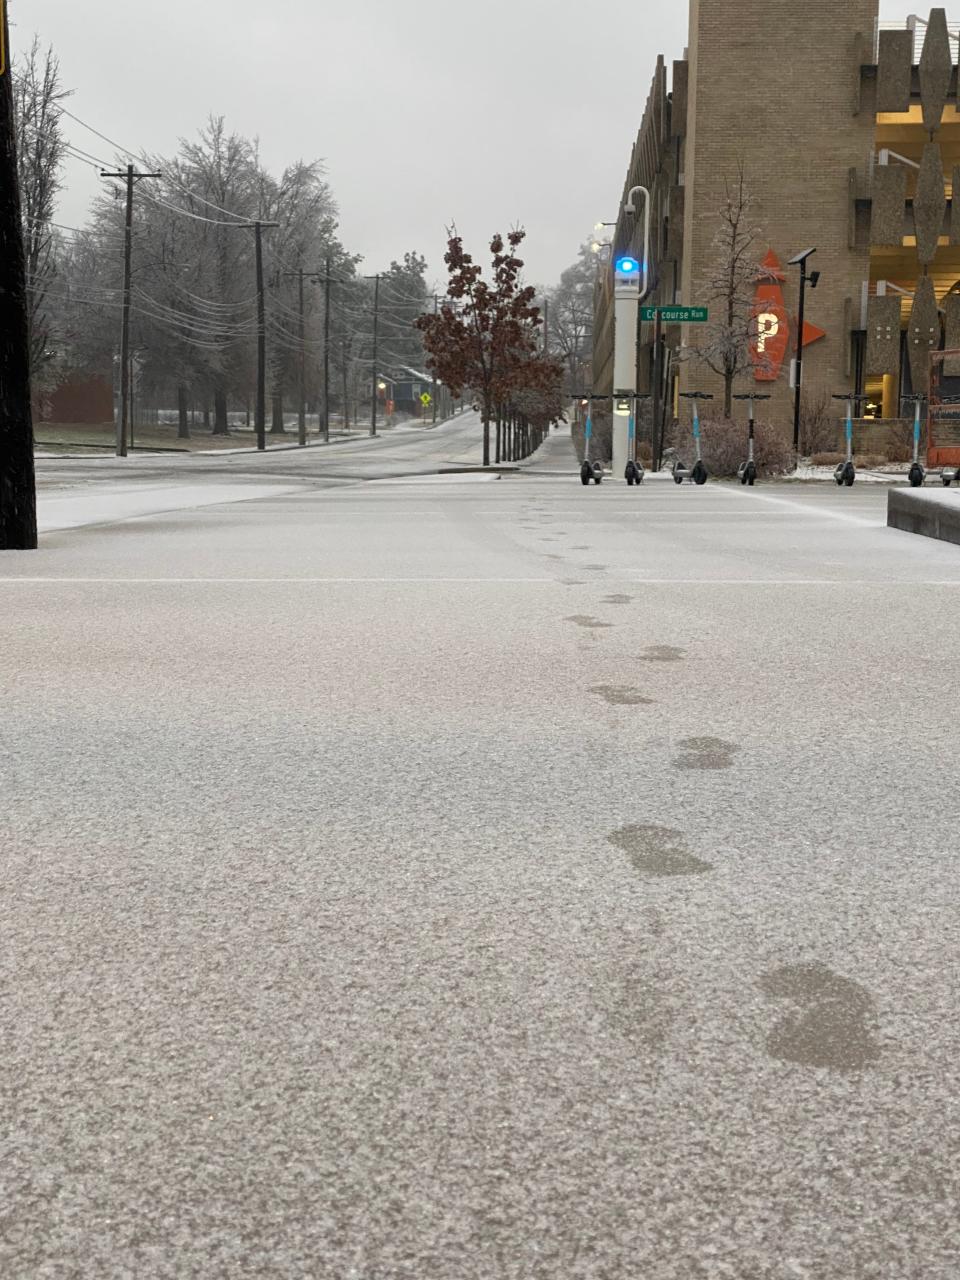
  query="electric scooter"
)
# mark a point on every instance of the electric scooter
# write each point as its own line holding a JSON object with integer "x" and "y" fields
{"x": 747, "y": 471}
{"x": 948, "y": 475}
{"x": 590, "y": 470}
{"x": 846, "y": 472}
{"x": 698, "y": 472}
{"x": 918, "y": 472}
{"x": 633, "y": 472}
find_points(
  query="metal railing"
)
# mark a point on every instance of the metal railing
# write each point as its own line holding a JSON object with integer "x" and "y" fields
{"x": 918, "y": 26}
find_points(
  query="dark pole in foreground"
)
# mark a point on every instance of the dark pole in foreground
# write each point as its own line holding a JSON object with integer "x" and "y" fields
{"x": 18, "y": 495}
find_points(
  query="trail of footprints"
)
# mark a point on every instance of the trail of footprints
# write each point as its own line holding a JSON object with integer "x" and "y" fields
{"x": 825, "y": 1020}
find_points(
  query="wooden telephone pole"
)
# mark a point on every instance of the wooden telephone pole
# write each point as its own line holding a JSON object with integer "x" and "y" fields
{"x": 18, "y": 493}
{"x": 124, "y": 422}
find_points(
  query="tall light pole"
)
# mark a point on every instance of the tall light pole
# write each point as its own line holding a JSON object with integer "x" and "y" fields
{"x": 376, "y": 339}
{"x": 813, "y": 279}
{"x": 632, "y": 283}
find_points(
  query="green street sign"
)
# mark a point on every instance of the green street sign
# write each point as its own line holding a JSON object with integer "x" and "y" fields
{"x": 675, "y": 315}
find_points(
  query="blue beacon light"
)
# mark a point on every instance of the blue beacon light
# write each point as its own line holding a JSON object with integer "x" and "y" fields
{"x": 627, "y": 266}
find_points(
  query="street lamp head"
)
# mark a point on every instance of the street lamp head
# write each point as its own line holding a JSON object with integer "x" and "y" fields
{"x": 801, "y": 258}
{"x": 813, "y": 279}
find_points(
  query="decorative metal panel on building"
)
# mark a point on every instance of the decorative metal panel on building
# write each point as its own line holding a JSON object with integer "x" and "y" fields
{"x": 894, "y": 70}
{"x": 923, "y": 332}
{"x": 883, "y": 336}
{"x": 678, "y": 196}
{"x": 889, "y": 204}
{"x": 936, "y": 70}
{"x": 929, "y": 203}
{"x": 951, "y": 307}
{"x": 681, "y": 89}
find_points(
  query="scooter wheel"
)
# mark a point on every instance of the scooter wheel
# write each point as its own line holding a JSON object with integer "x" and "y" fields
{"x": 677, "y": 478}
{"x": 838, "y": 476}
{"x": 916, "y": 475}
{"x": 699, "y": 473}
{"x": 849, "y": 475}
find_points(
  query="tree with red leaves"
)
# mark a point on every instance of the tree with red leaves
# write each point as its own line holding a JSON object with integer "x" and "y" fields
{"x": 484, "y": 337}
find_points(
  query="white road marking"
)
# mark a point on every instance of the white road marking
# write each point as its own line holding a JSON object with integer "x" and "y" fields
{"x": 595, "y": 581}
{"x": 82, "y": 508}
{"x": 818, "y": 513}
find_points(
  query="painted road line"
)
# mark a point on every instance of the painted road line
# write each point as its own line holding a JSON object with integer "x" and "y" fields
{"x": 594, "y": 582}
{"x": 817, "y": 513}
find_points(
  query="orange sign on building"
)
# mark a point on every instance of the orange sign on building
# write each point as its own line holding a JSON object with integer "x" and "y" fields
{"x": 772, "y": 342}
{"x": 773, "y": 324}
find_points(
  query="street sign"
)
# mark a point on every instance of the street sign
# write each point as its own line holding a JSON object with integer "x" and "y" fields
{"x": 426, "y": 399}
{"x": 675, "y": 315}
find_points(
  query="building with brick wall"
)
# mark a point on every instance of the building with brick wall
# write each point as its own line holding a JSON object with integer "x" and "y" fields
{"x": 848, "y": 135}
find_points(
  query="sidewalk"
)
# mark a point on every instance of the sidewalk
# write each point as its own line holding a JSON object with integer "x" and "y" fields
{"x": 555, "y": 457}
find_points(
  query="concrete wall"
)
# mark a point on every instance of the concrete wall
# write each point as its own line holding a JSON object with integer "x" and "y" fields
{"x": 778, "y": 87}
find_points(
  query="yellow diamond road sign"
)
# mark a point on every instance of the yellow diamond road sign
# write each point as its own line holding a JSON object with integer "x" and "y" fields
{"x": 426, "y": 399}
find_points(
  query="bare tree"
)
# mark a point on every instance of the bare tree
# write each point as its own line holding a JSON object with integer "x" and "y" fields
{"x": 40, "y": 148}
{"x": 571, "y": 317}
{"x": 727, "y": 345}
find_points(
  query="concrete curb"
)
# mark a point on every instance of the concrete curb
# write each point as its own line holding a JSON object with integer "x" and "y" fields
{"x": 927, "y": 513}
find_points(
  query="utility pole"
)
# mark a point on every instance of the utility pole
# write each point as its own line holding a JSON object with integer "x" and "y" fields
{"x": 546, "y": 326}
{"x": 302, "y": 420}
{"x": 436, "y": 308}
{"x": 302, "y": 330}
{"x": 260, "y": 413}
{"x": 327, "y": 282}
{"x": 18, "y": 494}
{"x": 376, "y": 334}
{"x": 131, "y": 178}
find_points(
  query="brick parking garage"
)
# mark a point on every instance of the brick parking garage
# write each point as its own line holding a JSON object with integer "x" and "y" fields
{"x": 848, "y": 135}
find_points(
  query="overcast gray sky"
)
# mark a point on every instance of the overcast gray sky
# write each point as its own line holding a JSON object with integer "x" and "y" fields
{"x": 489, "y": 112}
